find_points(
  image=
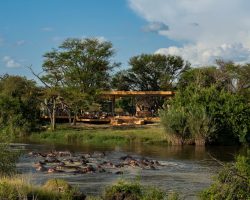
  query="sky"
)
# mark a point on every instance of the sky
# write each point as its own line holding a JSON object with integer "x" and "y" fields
{"x": 199, "y": 31}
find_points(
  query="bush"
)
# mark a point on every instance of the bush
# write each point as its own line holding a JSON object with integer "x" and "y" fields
{"x": 207, "y": 115}
{"x": 19, "y": 106}
{"x": 174, "y": 121}
{"x": 199, "y": 124}
{"x": 13, "y": 189}
{"x": 58, "y": 185}
{"x": 135, "y": 191}
{"x": 233, "y": 182}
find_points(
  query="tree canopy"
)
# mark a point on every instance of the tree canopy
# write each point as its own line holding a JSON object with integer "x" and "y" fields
{"x": 151, "y": 72}
{"x": 81, "y": 63}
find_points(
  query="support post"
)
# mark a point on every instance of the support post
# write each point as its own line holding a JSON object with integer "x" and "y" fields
{"x": 113, "y": 105}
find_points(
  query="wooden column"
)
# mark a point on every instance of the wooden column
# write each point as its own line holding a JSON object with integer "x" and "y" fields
{"x": 113, "y": 105}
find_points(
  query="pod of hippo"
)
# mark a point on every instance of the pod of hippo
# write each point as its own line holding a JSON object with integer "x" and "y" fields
{"x": 97, "y": 162}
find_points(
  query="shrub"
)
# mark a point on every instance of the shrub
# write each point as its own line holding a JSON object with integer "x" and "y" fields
{"x": 174, "y": 121}
{"x": 58, "y": 185}
{"x": 16, "y": 188}
{"x": 207, "y": 115}
{"x": 233, "y": 182}
{"x": 135, "y": 191}
{"x": 199, "y": 124}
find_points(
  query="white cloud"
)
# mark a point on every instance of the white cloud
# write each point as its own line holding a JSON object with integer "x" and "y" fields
{"x": 20, "y": 43}
{"x": 47, "y": 29}
{"x": 155, "y": 27}
{"x": 10, "y": 62}
{"x": 199, "y": 54}
{"x": 207, "y": 28}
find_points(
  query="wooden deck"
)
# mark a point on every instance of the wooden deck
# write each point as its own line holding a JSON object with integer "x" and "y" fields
{"x": 111, "y": 120}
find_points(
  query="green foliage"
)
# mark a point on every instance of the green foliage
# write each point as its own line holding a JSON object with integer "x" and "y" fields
{"x": 175, "y": 122}
{"x": 201, "y": 77}
{"x": 233, "y": 182}
{"x": 207, "y": 114}
{"x": 81, "y": 63}
{"x": 132, "y": 191}
{"x": 230, "y": 114}
{"x": 199, "y": 124}
{"x": 19, "y": 112}
{"x": 150, "y": 72}
{"x": 174, "y": 196}
{"x": 227, "y": 76}
{"x": 13, "y": 189}
{"x": 57, "y": 185}
{"x": 8, "y": 192}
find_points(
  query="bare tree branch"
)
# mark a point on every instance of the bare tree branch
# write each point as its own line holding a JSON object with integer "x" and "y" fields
{"x": 37, "y": 76}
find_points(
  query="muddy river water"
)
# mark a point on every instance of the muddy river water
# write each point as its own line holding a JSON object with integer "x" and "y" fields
{"x": 186, "y": 170}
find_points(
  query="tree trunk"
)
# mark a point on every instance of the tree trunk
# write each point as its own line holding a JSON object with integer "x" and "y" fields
{"x": 69, "y": 118}
{"x": 53, "y": 117}
{"x": 74, "y": 120}
{"x": 199, "y": 141}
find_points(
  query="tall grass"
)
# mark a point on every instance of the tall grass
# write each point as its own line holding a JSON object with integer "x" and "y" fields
{"x": 149, "y": 135}
{"x": 18, "y": 188}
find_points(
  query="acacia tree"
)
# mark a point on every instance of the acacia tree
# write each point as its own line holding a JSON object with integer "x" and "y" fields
{"x": 151, "y": 72}
{"x": 234, "y": 77}
{"x": 201, "y": 77}
{"x": 79, "y": 68}
{"x": 231, "y": 77}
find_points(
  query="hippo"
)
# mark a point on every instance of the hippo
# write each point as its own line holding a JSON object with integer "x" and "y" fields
{"x": 64, "y": 154}
{"x": 127, "y": 157}
{"x": 54, "y": 170}
{"x": 51, "y": 160}
{"x": 119, "y": 172}
{"x": 41, "y": 168}
{"x": 39, "y": 163}
{"x": 89, "y": 169}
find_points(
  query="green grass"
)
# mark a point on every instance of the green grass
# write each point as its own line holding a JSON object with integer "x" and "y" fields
{"x": 136, "y": 191}
{"x": 18, "y": 188}
{"x": 101, "y": 135}
{"x": 57, "y": 189}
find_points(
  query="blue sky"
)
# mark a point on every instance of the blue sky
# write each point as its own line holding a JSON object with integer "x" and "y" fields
{"x": 199, "y": 31}
{"x": 29, "y": 28}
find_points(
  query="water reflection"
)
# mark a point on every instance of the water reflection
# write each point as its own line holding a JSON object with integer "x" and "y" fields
{"x": 189, "y": 152}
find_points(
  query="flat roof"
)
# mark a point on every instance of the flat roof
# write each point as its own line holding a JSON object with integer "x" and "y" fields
{"x": 136, "y": 93}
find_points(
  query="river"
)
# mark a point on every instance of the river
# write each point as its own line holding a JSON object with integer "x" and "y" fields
{"x": 187, "y": 170}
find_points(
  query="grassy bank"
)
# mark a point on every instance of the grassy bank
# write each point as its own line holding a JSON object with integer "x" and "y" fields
{"x": 54, "y": 189}
{"x": 102, "y": 135}
{"x": 58, "y": 189}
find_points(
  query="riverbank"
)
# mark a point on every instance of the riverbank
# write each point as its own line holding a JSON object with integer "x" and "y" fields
{"x": 18, "y": 188}
{"x": 108, "y": 135}
{"x": 55, "y": 189}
